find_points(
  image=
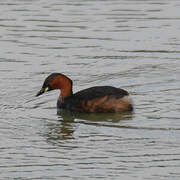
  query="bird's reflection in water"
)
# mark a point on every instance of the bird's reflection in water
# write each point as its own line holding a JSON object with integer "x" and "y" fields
{"x": 60, "y": 130}
{"x": 69, "y": 122}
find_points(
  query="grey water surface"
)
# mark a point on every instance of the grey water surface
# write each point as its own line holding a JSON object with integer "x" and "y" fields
{"x": 132, "y": 44}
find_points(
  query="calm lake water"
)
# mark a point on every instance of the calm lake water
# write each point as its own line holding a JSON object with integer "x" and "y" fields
{"x": 132, "y": 44}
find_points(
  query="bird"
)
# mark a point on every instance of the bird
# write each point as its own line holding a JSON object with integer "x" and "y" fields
{"x": 97, "y": 99}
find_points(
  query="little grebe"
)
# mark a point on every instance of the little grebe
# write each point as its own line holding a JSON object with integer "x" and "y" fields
{"x": 95, "y": 99}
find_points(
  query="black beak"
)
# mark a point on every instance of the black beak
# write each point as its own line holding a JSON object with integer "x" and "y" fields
{"x": 40, "y": 92}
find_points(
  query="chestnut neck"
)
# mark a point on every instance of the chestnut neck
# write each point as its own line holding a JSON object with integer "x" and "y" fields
{"x": 63, "y": 83}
